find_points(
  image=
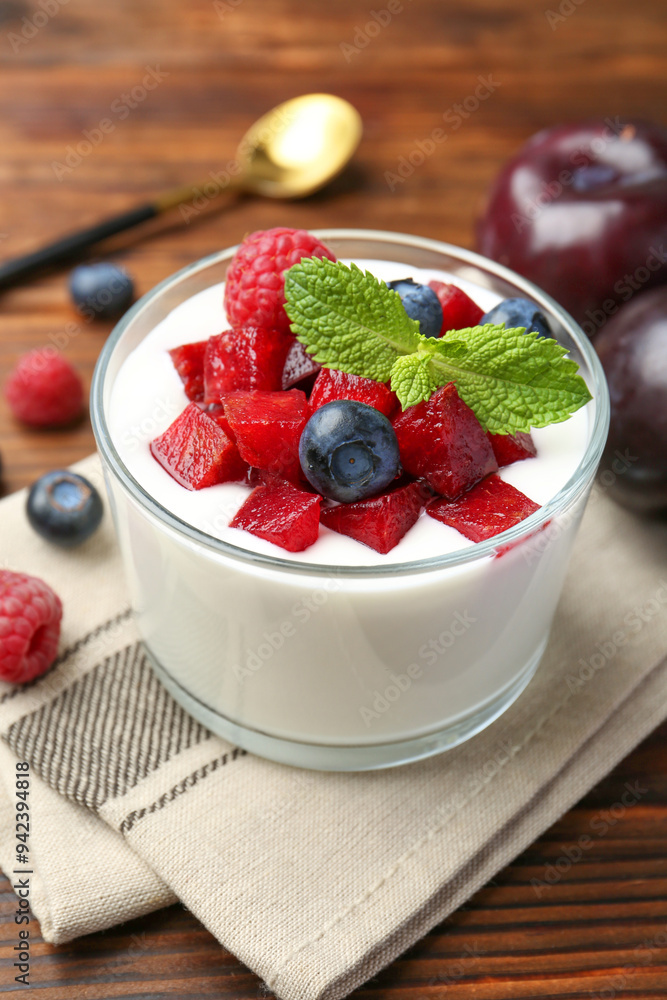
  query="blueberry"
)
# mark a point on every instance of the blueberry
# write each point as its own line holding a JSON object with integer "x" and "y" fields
{"x": 518, "y": 312}
{"x": 348, "y": 451}
{"x": 101, "y": 290}
{"x": 64, "y": 508}
{"x": 421, "y": 303}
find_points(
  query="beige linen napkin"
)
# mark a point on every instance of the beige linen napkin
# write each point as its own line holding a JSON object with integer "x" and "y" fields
{"x": 314, "y": 880}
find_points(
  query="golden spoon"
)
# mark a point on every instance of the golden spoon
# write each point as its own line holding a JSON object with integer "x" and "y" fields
{"x": 288, "y": 153}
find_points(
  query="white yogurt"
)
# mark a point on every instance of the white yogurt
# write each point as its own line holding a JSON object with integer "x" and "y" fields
{"x": 143, "y": 405}
{"x": 347, "y": 669}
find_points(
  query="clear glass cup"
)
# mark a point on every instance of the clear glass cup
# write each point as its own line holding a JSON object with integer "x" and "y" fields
{"x": 344, "y": 668}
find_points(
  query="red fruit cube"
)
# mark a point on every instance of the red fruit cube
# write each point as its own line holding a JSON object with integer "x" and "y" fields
{"x": 458, "y": 309}
{"x": 282, "y": 514}
{"x": 262, "y": 477}
{"x": 379, "y": 522}
{"x": 196, "y": 452}
{"x": 189, "y": 363}
{"x": 510, "y": 448}
{"x": 267, "y": 428}
{"x": 299, "y": 365}
{"x": 442, "y": 441}
{"x": 331, "y": 384}
{"x": 249, "y": 357}
{"x": 489, "y": 508}
{"x": 216, "y": 411}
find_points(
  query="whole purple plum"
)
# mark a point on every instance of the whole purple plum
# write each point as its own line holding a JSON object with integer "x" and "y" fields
{"x": 581, "y": 210}
{"x": 633, "y": 350}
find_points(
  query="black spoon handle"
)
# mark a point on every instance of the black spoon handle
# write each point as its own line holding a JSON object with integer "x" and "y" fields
{"x": 64, "y": 249}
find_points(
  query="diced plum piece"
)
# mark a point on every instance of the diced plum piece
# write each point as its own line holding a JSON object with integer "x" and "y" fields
{"x": 299, "y": 365}
{"x": 262, "y": 477}
{"x": 510, "y": 448}
{"x": 196, "y": 452}
{"x": 487, "y": 509}
{"x": 379, "y": 522}
{"x": 281, "y": 514}
{"x": 331, "y": 384}
{"x": 249, "y": 357}
{"x": 216, "y": 411}
{"x": 267, "y": 428}
{"x": 458, "y": 309}
{"x": 189, "y": 363}
{"x": 442, "y": 441}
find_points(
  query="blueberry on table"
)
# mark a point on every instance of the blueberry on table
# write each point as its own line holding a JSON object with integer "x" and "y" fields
{"x": 420, "y": 303}
{"x": 101, "y": 290}
{"x": 348, "y": 451}
{"x": 64, "y": 508}
{"x": 518, "y": 313}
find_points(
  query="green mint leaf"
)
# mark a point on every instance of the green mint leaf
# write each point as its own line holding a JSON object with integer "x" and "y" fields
{"x": 411, "y": 379}
{"x": 511, "y": 379}
{"x": 348, "y": 319}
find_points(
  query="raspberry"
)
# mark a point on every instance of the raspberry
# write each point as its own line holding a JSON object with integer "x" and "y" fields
{"x": 254, "y": 287}
{"x": 44, "y": 390}
{"x": 30, "y": 614}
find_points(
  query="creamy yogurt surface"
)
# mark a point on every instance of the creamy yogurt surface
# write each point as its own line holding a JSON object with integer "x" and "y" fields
{"x": 148, "y": 395}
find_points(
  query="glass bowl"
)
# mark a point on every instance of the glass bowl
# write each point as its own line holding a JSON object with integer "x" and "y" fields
{"x": 344, "y": 667}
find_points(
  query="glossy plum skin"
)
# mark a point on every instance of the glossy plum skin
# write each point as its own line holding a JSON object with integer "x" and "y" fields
{"x": 633, "y": 350}
{"x": 581, "y": 210}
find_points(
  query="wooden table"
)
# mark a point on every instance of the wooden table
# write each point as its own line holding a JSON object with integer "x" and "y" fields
{"x": 219, "y": 66}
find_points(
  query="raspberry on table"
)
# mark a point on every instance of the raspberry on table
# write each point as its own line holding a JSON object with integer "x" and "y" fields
{"x": 255, "y": 283}
{"x": 44, "y": 390}
{"x": 30, "y": 614}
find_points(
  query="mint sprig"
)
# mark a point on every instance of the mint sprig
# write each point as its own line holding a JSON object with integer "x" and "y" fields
{"x": 349, "y": 320}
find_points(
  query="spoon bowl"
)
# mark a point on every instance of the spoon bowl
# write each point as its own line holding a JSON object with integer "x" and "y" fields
{"x": 298, "y": 146}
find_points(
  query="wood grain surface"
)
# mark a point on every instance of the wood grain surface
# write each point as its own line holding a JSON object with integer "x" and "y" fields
{"x": 601, "y": 929}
